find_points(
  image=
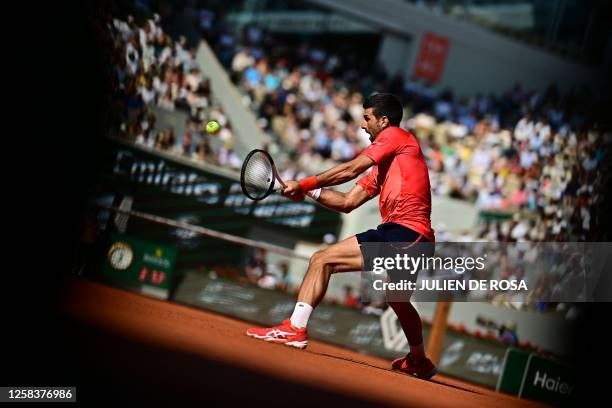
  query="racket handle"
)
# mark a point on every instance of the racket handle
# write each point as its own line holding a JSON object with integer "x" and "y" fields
{"x": 314, "y": 194}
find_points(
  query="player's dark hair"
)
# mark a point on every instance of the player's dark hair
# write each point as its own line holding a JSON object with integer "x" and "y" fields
{"x": 385, "y": 104}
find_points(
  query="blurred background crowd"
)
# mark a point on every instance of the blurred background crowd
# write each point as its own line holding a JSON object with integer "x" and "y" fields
{"x": 536, "y": 162}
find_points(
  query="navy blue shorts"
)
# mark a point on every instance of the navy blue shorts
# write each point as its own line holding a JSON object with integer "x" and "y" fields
{"x": 390, "y": 232}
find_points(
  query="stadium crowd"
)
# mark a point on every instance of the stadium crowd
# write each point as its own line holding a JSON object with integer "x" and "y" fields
{"x": 532, "y": 160}
{"x": 152, "y": 72}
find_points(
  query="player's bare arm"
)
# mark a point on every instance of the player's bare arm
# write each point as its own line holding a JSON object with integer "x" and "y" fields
{"x": 332, "y": 177}
{"x": 344, "y": 202}
{"x": 344, "y": 172}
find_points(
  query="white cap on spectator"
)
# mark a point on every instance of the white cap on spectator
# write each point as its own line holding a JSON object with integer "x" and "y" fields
{"x": 329, "y": 239}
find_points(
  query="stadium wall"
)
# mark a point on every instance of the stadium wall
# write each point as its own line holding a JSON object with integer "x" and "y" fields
{"x": 478, "y": 60}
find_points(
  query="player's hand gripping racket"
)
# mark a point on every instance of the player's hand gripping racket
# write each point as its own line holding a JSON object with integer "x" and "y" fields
{"x": 259, "y": 175}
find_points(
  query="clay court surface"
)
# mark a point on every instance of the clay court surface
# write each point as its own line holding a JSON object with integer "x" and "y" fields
{"x": 124, "y": 345}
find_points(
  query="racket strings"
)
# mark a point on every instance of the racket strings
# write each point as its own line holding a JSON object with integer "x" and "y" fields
{"x": 258, "y": 175}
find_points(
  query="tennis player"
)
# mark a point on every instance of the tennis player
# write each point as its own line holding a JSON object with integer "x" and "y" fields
{"x": 399, "y": 175}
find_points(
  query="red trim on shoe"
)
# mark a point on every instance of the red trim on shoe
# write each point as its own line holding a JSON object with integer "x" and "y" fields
{"x": 424, "y": 370}
{"x": 283, "y": 333}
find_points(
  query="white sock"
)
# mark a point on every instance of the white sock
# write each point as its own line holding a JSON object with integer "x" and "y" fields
{"x": 301, "y": 314}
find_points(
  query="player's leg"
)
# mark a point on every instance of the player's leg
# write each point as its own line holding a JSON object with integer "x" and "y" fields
{"x": 344, "y": 256}
{"x": 413, "y": 328}
{"x": 407, "y": 315}
{"x": 415, "y": 362}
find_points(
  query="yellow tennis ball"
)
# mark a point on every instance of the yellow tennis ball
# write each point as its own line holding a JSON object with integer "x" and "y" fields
{"x": 212, "y": 127}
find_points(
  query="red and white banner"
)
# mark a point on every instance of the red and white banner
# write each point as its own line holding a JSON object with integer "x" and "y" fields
{"x": 432, "y": 56}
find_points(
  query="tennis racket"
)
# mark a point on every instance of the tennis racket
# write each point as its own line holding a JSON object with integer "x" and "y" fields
{"x": 258, "y": 176}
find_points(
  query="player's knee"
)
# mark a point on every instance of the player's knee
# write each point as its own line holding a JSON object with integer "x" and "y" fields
{"x": 320, "y": 261}
{"x": 315, "y": 258}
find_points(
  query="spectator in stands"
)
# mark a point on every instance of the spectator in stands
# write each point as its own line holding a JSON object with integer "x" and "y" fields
{"x": 166, "y": 101}
{"x": 256, "y": 266}
{"x": 349, "y": 299}
{"x": 241, "y": 61}
{"x": 165, "y": 140}
{"x": 147, "y": 92}
{"x": 267, "y": 281}
{"x": 187, "y": 144}
{"x": 283, "y": 281}
{"x": 145, "y": 139}
{"x": 229, "y": 158}
{"x": 203, "y": 152}
{"x": 507, "y": 334}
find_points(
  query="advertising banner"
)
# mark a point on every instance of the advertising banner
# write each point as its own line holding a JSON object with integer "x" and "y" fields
{"x": 432, "y": 57}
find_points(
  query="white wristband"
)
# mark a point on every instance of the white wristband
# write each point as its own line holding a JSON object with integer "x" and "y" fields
{"x": 314, "y": 194}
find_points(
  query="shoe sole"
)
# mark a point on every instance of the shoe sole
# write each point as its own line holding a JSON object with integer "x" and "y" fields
{"x": 425, "y": 377}
{"x": 296, "y": 344}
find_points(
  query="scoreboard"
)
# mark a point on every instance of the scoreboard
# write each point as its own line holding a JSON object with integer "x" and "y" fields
{"x": 139, "y": 265}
